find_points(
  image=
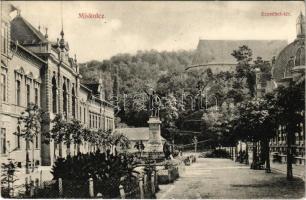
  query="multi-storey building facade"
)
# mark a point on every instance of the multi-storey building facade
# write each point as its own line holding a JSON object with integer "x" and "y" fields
{"x": 36, "y": 69}
{"x": 20, "y": 85}
{"x": 288, "y": 66}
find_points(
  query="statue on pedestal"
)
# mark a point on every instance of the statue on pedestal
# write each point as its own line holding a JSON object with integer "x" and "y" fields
{"x": 154, "y": 103}
{"x": 155, "y": 146}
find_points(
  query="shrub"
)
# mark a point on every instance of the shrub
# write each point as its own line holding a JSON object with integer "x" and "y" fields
{"x": 217, "y": 153}
{"x": 105, "y": 169}
{"x": 171, "y": 163}
{"x": 175, "y": 153}
{"x": 8, "y": 178}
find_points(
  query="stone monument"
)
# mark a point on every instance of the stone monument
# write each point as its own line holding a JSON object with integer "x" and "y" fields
{"x": 155, "y": 146}
{"x": 154, "y": 142}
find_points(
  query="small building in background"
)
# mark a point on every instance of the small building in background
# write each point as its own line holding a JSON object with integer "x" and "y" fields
{"x": 135, "y": 135}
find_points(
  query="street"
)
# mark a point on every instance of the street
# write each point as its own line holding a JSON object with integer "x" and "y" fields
{"x": 223, "y": 178}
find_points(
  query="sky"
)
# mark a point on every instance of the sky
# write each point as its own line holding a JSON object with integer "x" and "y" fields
{"x": 131, "y": 26}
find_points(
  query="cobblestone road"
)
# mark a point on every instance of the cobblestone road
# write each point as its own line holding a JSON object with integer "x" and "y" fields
{"x": 222, "y": 178}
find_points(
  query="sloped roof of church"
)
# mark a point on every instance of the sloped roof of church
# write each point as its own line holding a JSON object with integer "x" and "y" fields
{"x": 25, "y": 33}
{"x": 219, "y": 51}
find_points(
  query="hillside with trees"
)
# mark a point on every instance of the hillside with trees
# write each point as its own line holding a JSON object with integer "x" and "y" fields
{"x": 135, "y": 72}
{"x": 127, "y": 79}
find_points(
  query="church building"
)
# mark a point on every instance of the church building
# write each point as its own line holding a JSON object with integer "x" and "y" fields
{"x": 289, "y": 66}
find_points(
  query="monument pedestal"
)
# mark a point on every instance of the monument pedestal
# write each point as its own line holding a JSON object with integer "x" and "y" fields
{"x": 155, "y": 147}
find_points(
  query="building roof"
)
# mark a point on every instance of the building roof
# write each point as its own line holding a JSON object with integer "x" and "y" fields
{"x": 219, "y": 51}
{"x": 281, "y": 65}
{"x": 135, "y": 134}
{"x": 94, "y": 87}
{"x": 23, "y": 49}
{"x": 25, "y": 33}
{"x": 284, "y": 56}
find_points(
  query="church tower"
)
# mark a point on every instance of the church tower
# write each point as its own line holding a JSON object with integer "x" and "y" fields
{"x": 300, "y": 25}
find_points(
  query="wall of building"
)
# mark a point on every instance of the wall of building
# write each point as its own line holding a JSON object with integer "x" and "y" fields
{"x": 26, "y": 70}
{"x": 30, "y": 66}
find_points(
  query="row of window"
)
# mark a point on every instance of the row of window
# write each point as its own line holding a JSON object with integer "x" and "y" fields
{"x": 65, "y": 96}
{"x": 29, "y": 89}
{"x": 18, "y": 141}
{"x": 82, "y": 112}
{"x": 95, "y": 121}
{"x": 283, "y": 137}
{"x": 109, "y": 124}
{"x": 98, "y": 122}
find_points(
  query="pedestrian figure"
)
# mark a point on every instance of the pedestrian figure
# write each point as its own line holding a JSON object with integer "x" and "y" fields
{"x": 240, "y": 156}
{"x": 166, "y": 150}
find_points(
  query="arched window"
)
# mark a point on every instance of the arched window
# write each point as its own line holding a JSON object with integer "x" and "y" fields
{"x": 18, "y": 138}
{"x": 300, "y": 57}
{"x": 290, "y": 65}
{"x": 37, "y": 141}
{"x": 73, "y": 103}
{"x": 18, "y": 93}
{"x": 28, "y": 94}
{"x": 80, "y": 112}
{"x": 65, "y": 100}
{"x": 3, "y": 86}
{"x": 54, "y": 95}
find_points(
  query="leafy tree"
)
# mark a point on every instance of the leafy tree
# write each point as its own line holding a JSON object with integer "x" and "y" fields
{"x": 244, "y": 70}
{"x": 75, "y": 128}
{"x": 135, "y": 73}
{"x": 107, "y": 171}
{"x": 31, "y": 119}
{"x": 264, "y": 67}
{"x": 290, "y": 100}
{"x": 94, "y": 138}
{"x": 257, "y": 123}
{"x": 212, "y": 127}
{"x": 219, "y": 125}
{"x": 58, "y": 132}
{"x": 168, "y": 111}
{"x": 139, "y": 146}
{"x": 103, "y": 139}
{"x": 120, "y": 140}
{"x": 87, "y": 136}
{"x": 8, "y": 178}
{"x": 171, "y": 83}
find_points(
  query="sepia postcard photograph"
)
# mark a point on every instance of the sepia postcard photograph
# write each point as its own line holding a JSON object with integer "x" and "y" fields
{"x": 152, "y": 99}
